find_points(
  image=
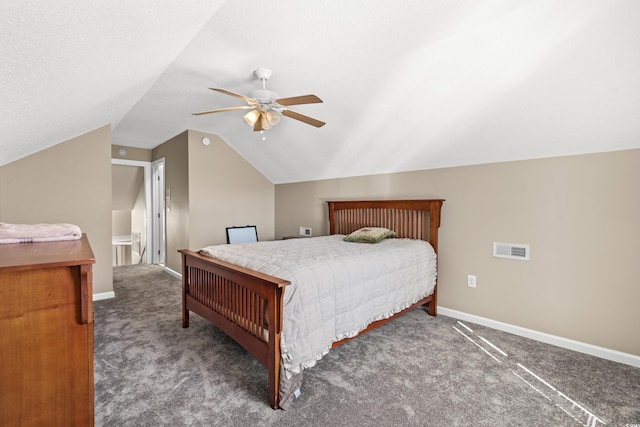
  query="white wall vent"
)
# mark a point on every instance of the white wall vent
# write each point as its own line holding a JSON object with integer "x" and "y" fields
{"x": 511, "y": 251}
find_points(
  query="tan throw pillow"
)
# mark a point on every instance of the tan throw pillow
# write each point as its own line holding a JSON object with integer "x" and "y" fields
{"x": 369, "y": 235}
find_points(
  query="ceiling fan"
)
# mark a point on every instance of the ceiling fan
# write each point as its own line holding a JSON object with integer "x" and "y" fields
{"x": 266, "y": 108}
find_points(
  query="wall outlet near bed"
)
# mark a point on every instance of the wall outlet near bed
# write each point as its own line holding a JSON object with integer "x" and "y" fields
{"x": 305, "y": 231}
{"x": 471, "y": 281}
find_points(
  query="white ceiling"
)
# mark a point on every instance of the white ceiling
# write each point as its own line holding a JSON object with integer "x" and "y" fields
{"x": 407, "y": 85}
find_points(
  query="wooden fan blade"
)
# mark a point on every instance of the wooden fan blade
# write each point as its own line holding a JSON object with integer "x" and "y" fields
{"x": 258, "y": 125}
{"x": 222, "y": 110}
{"x": 297, "y": 100}
{"x": 237, "y": 95}
{"x": 306, "y": 119}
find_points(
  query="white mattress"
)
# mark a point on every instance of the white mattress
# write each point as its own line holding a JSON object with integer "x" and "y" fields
{"x": 337, "y": 288}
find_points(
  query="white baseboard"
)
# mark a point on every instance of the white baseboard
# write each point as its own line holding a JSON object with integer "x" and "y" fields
{"x": 593, "y": 350}
{"x": 104, "y": 295}
{"x": 173, "y": 272}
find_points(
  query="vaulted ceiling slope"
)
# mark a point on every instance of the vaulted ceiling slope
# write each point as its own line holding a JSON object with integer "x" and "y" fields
{"x": 406, "y": 85}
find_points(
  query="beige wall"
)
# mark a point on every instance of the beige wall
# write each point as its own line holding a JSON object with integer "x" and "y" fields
{"x": 69, "y": 182}
{"x": 176, "y": 178}
{"x": 212, "y": 187}
{"x": 579, "y": 214}
{"x": 225, "y": 190}
{"x": 131, "y": 153}
{"x": 120, "y": 223}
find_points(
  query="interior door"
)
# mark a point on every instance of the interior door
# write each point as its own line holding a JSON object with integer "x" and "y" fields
{"x": 158, "y": 212}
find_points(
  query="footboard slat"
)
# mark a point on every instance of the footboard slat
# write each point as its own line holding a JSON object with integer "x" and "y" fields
{"x": 233, "y": 302}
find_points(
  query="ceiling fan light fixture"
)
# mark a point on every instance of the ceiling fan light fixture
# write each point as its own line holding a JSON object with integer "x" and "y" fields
{"x": 251, "y": 117}
{"x": 265, "y": 121}
{"x": 272, "y": 117}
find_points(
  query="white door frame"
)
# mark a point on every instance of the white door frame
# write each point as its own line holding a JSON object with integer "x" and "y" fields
{"x": 158, "y": 248}
{"x": 147, "y": 200}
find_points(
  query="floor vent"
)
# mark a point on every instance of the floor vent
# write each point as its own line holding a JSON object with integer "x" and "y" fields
{"x": 511, "y": 251}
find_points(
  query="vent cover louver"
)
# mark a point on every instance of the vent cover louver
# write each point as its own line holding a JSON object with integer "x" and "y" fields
{"x": 511, "y": 251}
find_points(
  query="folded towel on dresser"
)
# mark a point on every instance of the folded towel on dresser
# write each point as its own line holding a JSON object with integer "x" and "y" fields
{"x": 34, "y": 233}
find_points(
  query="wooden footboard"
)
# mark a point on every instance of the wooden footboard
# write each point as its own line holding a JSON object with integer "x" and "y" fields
{"x": 244, "y": 304}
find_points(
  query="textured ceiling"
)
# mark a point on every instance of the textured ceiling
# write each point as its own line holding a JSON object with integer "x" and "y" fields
{"x": 406, "y": 85}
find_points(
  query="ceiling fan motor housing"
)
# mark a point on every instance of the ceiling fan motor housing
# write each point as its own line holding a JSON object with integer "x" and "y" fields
{"x": 263, "y": 96}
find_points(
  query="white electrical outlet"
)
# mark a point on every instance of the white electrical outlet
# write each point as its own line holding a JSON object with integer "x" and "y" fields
{"x": 305, "y": 231}
{"x": 471, "y": 281}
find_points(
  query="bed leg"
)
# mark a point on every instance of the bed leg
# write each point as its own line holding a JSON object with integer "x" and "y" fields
{"x": 431, "y": 309}
{"x": 273, "y": 364}
{"x": 185, "y": 318}
{"x": 273, "y": 389}
{"x": 185, "y": 281}
{"x": 274, "y": 315}
{"x": 433, "y": 304}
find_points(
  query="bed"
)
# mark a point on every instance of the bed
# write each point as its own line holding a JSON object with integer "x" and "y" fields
{"x": 249, "y": 305}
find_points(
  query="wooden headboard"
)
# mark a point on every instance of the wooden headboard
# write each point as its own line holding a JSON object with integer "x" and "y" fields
{"x": 413, "y": 219}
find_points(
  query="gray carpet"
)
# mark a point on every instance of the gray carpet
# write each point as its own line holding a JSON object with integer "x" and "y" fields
{"x": 415, "y": 371}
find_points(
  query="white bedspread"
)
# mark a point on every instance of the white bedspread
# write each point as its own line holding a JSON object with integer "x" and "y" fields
{"x": 337, "y": 288}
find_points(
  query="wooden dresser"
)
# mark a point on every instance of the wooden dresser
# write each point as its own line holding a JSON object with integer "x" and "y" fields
{"x": 46, "y": 334}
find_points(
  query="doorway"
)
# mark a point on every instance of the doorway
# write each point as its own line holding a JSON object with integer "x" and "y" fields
{"x": 137, "y": 229}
